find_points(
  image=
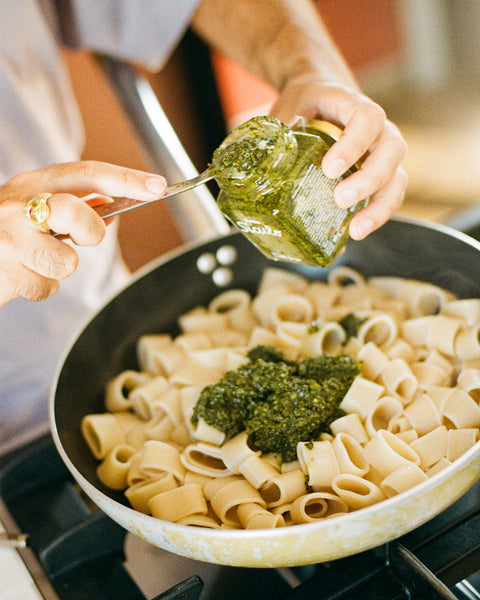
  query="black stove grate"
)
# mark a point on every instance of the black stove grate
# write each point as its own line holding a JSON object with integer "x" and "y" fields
{"x": 81, "y": 549}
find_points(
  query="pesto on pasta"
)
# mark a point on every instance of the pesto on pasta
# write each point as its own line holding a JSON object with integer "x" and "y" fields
{"x": 383, "y": 389}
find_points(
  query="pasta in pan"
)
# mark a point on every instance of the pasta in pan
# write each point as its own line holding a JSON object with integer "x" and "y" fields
{"x": 411, "y": 409}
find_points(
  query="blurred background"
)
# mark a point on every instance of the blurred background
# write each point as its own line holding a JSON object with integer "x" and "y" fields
{"x": 419, "y": 59}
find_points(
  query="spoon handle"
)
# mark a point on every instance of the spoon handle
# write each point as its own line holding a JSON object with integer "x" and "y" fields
{"x": 121, "y": 205}
{"x": 14, "y": 540}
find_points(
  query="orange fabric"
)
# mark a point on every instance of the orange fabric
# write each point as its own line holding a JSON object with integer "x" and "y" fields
{"x": 239, "y": 90}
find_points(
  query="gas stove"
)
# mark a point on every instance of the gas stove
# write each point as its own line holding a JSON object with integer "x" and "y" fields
{"x": 77, "y": 552}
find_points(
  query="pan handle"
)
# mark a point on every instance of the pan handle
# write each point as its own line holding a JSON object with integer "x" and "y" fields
{"x": 196, "y": 212}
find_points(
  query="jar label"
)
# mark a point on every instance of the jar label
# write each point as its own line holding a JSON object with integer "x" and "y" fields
{"x": 315, "y": 209}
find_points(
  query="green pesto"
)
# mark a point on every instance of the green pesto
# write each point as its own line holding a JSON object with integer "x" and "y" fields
{"x": 267, "y": 353}
{"x": 314, "y": 327}
{"x": 351, "y": 323}
{"x": 240, "y": 157}
{"x": 254, "y": 157}
{"x": 278, "y": 402}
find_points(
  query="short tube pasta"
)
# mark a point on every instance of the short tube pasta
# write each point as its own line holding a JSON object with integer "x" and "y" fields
{"x": 140, "y": 493}
{"x": 428, "y": 374}
{"x": 102, "y": 433}
{"x": 118, "y": 390}
{"x": 291, "y": 308}
{"x": 315, "y": 506}
{"x": 283, "y": 488}
{"x": 361, "y": 397}
{"x": 254, "y": 516}
{"x": 386, "y": 452}
{"x": 411, "y": 411}
{"x": 373, "y": 360}
{"x": 147, "y": 346}
{"x": 469, "y": 381}
{"x": 459, "y": 441}
{"x": 228, "y": 498}
{"x": 356, "y": 491}
{"x": 235, "y": 305}
{"x": 319, "y": 461}
{"x": 113, "y": 470}
{"x": 461, "y": 410}
{"x": 329, "y": 339}
{"x": 401, "y": 479}
{"x": 381, "y": 416}
{"x": 273, "y": 277}
{"x": 257, "y": 471}
{"x": 237, "y": 450}
{"x": 443, "y": 333}
{"x": 205, "y": 459}
{"x": 467, "y": 343}
{"x": 159, "y": 457}
{"x": 466, "y": 309}
{"x": 351, "y": 424}
{"x": 349, "y": 454}
{"x": 145, "y": 399}
{"x": 381, "y": 329}
{"x": 422, "y": 414}
{"x": 397, "y": 377}
{"x": 178, "y": 503}
{"x": 431, "y": 447}
{"x": 206, "y": 433}
{"x": 200, "y": 320}
{"x": 344, "y": 275}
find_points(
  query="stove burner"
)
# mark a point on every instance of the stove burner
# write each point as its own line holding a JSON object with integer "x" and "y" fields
{"x": 81, "y": 549}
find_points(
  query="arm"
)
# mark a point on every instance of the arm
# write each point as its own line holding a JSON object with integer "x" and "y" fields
{"x": 276, "y": 39}
{"x": 285, "y": 43}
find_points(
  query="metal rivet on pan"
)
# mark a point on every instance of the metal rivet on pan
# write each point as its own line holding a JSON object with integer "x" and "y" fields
{"x": 222, "y": 276}
{"x": 206, "y": 262}
{"x": 226, "y": 255}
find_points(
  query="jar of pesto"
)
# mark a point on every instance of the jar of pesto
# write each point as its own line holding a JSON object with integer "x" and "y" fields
{"x": 285, "y": 205}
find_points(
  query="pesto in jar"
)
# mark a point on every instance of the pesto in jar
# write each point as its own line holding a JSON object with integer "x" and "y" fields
{"x": 254, "y": 158}
{"x": 285, "y": 203}
{"x": 278, "y": 402}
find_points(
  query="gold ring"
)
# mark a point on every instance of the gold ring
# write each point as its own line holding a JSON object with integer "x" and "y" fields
{"x": 37, "y": 210}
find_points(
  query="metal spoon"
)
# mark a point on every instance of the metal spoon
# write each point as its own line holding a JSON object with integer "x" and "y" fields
{"x": 263, "y": 140}
{"x": 121, "y": 205}
{"x": 14, "y": 540}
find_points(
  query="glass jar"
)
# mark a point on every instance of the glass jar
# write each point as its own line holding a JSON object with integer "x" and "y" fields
{"x": 292, "y": 216}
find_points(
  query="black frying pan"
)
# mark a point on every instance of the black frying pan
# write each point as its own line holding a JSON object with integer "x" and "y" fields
{"x": 170, "y": 287}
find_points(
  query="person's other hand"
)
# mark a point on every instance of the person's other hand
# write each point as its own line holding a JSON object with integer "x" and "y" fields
{"x": 367, "y": 135}
{"x": 31, "y": 260}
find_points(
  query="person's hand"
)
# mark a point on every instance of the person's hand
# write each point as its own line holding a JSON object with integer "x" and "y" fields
{"x": 368, "y": 134}
{"x": 31, "y": 260}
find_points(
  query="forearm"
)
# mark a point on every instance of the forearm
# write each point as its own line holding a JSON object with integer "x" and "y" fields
{"x": 278, "y": 40}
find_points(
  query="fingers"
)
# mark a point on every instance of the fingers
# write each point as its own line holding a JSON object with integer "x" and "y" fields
{"x": 365, "y": 125}
{"x": 368, "y": 138}
{"x": 73, "y": 216}
{"x": 23, "y": 283}
{"x": 381, "y": 207}
{"x": 377, "y": 169}
{"x": 33, "y": 262}
{"x": 46, "y": 256}
{"x": 379, "y": 178}
{"x": 85, "y": 177}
